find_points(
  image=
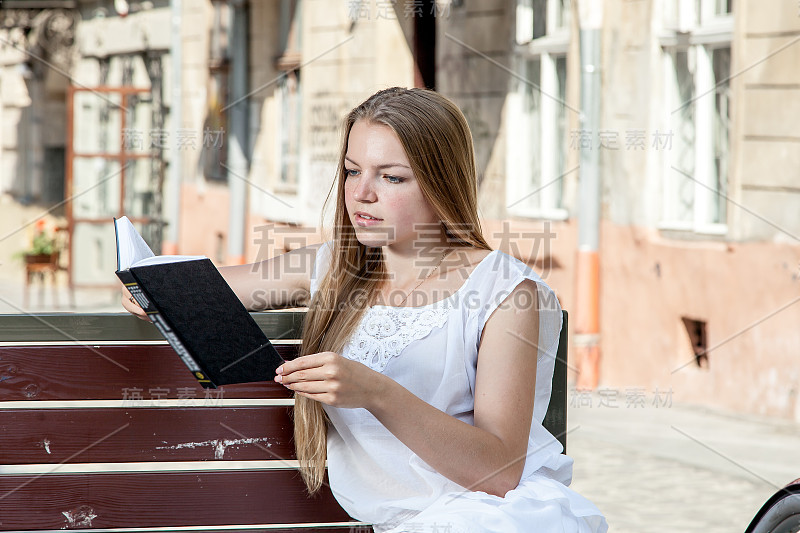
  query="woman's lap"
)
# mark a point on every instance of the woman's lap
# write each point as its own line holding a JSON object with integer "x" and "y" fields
{"x": 538, "y": 504}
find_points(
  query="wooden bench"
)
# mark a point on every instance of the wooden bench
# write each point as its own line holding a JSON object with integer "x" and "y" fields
{"x": 104, "y": 428}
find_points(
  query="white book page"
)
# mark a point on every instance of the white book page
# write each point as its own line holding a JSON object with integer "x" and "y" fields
{"x": 134, "y": 251}
{"x": 131, "y": 247}
{"x": 162, "y": 259}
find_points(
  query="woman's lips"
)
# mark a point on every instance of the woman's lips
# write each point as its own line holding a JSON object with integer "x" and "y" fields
{"x": 361, "y": 221}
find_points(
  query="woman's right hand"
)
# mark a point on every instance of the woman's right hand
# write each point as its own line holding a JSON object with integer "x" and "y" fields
{"x": 131, "y": 306}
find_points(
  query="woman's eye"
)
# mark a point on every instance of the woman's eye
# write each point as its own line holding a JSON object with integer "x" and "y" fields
{"x": 394, "y": 179}
{"x": 350, "y": 172}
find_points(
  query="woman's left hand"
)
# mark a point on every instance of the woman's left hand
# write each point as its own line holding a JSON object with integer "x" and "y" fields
{"x": 331, "y": 379}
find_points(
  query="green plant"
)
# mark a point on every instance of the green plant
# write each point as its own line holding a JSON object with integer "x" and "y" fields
{"x": 43, "y": 242}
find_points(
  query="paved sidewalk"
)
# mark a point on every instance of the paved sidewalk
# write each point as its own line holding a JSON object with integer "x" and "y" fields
{"x": 42, "y": 301}
{"x": 679, "y": 468}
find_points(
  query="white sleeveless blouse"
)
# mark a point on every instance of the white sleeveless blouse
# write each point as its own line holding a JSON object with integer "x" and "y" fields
{"x": 432, "y": 350}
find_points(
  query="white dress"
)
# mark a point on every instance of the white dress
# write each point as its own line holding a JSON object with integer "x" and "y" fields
{"x": 432, "y": 351}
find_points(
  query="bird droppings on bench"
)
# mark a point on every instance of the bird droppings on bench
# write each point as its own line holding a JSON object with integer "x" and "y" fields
{"x": 79, "y": 517}
{"x": 219, "y": 445}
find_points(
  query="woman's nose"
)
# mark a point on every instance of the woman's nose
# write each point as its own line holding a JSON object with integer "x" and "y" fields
{"x": 364, "y": 191}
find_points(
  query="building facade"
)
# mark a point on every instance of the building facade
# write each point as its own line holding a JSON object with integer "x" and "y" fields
{"x": 699, "y": 256}
{"x": 698, "y": 158}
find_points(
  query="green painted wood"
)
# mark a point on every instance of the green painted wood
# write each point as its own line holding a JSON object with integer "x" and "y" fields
{"x": 555, "y": 421}
{"x": 87, "y": 327}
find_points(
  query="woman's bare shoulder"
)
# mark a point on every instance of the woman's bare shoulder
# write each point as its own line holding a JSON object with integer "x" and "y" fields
{"x": 461, "y": 262}
{"x": 467, "y": 257}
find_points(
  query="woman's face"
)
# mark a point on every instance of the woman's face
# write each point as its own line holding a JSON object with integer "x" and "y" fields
{"x": 379, "y": 183}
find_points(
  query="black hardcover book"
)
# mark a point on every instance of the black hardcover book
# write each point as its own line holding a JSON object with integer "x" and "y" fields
{"x": 198, "y": 313}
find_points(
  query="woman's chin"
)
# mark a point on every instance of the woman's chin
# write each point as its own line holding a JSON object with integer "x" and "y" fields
{"x": 374, "y": 238}
{"x": 372, "y": 242}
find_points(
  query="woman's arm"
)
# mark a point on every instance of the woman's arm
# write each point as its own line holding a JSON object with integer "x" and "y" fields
{"x": 488, "y": 456}
{"x": 276, "y": 283}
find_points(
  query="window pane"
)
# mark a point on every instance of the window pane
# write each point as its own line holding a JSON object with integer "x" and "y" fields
{"x": 561, "y": 126}
{"x": 94, "y": 254}
{"x": 289, "y": 90}
{"x": 532, "y": 111}
{"x": 97, "y": 122}
{"x": 539, "y": 18}
{"x": 524, "y": 21}
{"x": 723, "y": 7}
{"x": 721, "y": 59}
{"x": 96, "y": 187}
{"x": 140, "y": 187}
{"x": 214, "y": 145}
{"x": 563, "y": 15}
{"x": 53, "y": 174}
{"x": 680, "y": 188}
{"x": 139, "y": 135}
{"x": 218, "y": 49}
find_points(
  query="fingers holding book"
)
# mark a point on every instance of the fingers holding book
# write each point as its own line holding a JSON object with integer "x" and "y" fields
{"x": 332, "y": 379}
{"x": 130, "y": 305}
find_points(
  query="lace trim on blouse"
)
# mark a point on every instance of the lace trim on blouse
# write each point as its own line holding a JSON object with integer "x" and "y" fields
{"x": 386, "y": 331}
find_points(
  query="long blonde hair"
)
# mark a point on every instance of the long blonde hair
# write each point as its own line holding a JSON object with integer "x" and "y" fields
{"x": 437, "y": 140}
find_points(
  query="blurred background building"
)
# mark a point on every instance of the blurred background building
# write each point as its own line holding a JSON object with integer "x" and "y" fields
{"x": 214, "y": 125}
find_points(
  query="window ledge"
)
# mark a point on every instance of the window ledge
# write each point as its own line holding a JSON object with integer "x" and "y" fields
{"x": 709, "y": 229}
{"x": 712, "y": 229}
{"x": 557, "y": 43}
{"x": 718, "y": 31}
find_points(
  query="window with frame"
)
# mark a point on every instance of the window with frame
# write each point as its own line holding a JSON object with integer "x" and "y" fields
{"x": 536, "y": 140}
{"x": 288, "y": 98}
{"x": 696, "y": 47}
{"x": 214, "y": 145}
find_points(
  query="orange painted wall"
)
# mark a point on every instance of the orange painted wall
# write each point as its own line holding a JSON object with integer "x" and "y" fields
{"x": 204, "y": 221}
{"x": 648, "y": 282}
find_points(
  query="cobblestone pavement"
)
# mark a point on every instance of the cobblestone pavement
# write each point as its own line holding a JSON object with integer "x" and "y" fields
{"x": 681, "y": 468}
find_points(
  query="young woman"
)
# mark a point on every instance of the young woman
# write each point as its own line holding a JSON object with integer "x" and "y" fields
{"x": 427, "y": 356}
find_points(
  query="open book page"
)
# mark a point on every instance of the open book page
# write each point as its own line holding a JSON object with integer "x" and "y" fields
{"x": 161, "y": 259}
{"x": 130, "y": 245}
{"x": 132, "y": 250}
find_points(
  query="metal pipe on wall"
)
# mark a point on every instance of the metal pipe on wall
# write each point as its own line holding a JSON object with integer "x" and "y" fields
{"x": 172, "y": 212}
{"x": 237, "y": 145}
{"x": 587, "y": 287}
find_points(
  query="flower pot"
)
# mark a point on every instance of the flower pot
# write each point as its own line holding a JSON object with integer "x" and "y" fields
{"x": 41, "y": 258}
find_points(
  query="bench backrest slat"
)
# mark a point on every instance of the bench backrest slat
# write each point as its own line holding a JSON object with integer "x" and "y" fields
{"x": 116, "y": 372}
